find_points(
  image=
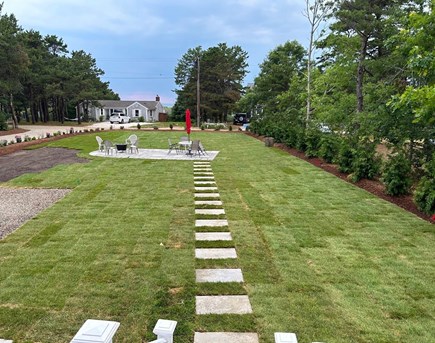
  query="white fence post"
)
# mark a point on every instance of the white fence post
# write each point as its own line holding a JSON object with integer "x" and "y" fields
{"x": 164, "y": 329}
{"x": 96, "y": 331}
{"x": 285, "y": 337}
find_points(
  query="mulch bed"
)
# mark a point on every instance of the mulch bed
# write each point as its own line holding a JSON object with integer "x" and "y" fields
{"x": 12, "y": 132}
{"x": 373, "y": 186}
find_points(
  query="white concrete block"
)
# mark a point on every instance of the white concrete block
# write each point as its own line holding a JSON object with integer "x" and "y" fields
{"x": 96, "y": 331}
{"x": 210, "y": 211}
{"x": 202, "y": 183}
{"x": 202, "y": 189}
{"x": 207, "y": 195}
{"x": 215, "y": 253}
{"x": 213, "y": 236}
{"x": 209, "y": 202}
{"x": 211, "y": 222}
{"x": 285, "y": 337}
{"x": 219, "y": 275}
{"x": 164, "y": 330}
{"x": 223, "y": 304}
{"x": 225, "y": 337}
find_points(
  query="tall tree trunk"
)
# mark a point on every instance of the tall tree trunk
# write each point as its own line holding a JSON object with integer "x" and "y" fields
{"x": 11, "y": 104}
{"x": 360, "y": 73}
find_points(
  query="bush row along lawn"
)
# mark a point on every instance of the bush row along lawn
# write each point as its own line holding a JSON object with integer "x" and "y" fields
{"x": 320, "y": 257}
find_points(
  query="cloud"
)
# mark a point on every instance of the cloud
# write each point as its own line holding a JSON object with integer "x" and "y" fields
{"x": 114, "y": 17}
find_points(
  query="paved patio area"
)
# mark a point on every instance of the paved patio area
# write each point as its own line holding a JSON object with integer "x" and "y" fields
{"x": 158, "y": 154}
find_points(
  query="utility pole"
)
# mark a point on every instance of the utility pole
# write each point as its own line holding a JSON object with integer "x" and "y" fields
{"x": 198, "y": 107}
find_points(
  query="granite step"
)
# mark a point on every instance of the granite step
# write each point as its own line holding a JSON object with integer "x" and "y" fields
{"x": 219, "y": 275}
{"x": 209, "y": 202}
{"x": 223, "y": 304}
{"x": 215, "y": 253}
{"x": 213, "y": 236}
{"x": 211, "y": 212}
{"x": 225, "y": 337}
{"x": 203, "y": 178}
{"x": 207, "y": 195}
{"x": 199, "y": 183}
{"x": 198, "y": 173}
{"x": 211, "y": 222}
{"x": 205, "y": 189}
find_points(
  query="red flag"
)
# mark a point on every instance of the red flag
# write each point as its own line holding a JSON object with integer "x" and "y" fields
{"x": 188, "y": 123}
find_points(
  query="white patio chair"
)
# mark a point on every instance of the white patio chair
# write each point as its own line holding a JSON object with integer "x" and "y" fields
{"x": 173, "y": 146}
{"x": 109, "y": 148}
{"x": 100, "y": 143}
{"x": 132, "y": 143}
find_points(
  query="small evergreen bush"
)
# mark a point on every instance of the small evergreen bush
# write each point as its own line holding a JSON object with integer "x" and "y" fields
{"x": 345, "y": 157}
{"x": 3, "y": 122}
{"x": 329, "y": 146}
{"x": 396, "y": 175}
{"x": 366, "y": 164}
{"x": 424, "y": 196}
{"x": 312, "y": 142}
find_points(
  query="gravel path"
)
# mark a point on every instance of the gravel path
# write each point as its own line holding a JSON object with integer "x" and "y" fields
{"x": 17, "y": 205}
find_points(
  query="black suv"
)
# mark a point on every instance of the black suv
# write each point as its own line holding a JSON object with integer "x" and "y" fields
{"x": 241, "y": 118}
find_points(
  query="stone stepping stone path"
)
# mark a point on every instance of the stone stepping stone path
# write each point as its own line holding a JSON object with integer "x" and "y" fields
{"x": 215, "y": 253}
{"x": 206, "y": 194}
{"x": 199, "y": 183}
{"x": 225, "y": 337}
{"x": 223, "y": 304}
{"x": 208, "y": 202}
{"x": 211, "y": 222}
{"x": 212, "y": 212}
{"x": 219, "y": 275}
{"x": 213, "y": 236}
{"x": 205, "y": 189}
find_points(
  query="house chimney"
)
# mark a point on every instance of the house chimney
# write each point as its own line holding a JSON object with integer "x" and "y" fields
{"x": 157, "y": 98}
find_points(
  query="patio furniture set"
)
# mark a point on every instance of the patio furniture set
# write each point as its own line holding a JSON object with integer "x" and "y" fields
{"x": 108, "y": 147}
{"x": 187, "y": 147}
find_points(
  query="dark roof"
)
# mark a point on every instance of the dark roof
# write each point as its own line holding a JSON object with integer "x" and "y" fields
{"x": 126, "y": 103}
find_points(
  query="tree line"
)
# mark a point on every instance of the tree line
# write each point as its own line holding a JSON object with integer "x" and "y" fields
{"x": 215, "y": 76}
{"x": 40, "y": 80}
{"x": 372, "y": 82}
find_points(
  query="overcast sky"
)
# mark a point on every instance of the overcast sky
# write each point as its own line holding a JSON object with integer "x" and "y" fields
{"x": 138, "y": 42}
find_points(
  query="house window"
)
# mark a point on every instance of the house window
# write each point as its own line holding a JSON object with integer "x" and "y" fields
{"x": 136, "y": 113}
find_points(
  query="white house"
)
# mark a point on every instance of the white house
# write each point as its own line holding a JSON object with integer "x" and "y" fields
{"x": 149, "y": 110}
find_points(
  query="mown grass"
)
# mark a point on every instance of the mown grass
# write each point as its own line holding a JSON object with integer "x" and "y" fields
{"x": 320, "y": 257}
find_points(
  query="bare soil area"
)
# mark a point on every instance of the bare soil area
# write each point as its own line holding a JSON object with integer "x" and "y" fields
{"x": 33, "y": 161}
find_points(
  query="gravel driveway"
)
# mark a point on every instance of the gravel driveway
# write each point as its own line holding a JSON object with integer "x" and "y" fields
{"x": 17, "y": 205}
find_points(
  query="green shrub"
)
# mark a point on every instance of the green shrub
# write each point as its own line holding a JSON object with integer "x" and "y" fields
{"x": 141, "y": 120}
{"x": 366, "y": 164}
{"x": 171, "y": 126}
{"x": 329, "y": 146}
{"x": 312, "y": 142}
{"x": 3, "y": 121}
{"x": 155, "y": 127}
{"x": 230, "y": 128}
{"x": 138, "y": 126}
{"x": 345, "y": 157}
{"x": 424, "y": 196}
{"x": 396, "y": 175}
{"x": 101, "y": 118}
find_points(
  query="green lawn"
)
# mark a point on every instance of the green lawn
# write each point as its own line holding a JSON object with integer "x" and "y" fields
{"x": 320, "y": 257}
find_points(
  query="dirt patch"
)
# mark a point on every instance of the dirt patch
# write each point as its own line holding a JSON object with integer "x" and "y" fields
{"x": 12, "y": 132}
{"x": 34, "y": 161}
{"x": 373, "y": 186}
